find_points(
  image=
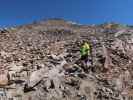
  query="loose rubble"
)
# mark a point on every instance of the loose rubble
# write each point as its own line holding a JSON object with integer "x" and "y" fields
{"x": 41, "y": 61}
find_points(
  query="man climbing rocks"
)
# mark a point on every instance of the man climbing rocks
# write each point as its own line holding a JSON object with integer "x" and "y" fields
{"x": 85, "y": 51}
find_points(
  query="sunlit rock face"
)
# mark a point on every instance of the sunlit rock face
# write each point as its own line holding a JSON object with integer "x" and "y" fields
{"x": 41, "y": 61}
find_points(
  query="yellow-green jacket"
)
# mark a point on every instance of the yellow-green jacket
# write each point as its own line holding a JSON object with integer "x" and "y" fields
{"x": 85, "y": 49}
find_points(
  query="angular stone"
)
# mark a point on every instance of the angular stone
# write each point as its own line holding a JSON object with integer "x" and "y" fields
{"x": 36, "y": 77}
{"x": 4, "y": 79}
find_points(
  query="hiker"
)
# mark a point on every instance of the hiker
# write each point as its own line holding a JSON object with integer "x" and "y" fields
{"x": 85, "y": 51}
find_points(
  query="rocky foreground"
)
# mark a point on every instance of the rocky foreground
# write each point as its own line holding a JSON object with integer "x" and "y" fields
{"x": 41, "y": 61}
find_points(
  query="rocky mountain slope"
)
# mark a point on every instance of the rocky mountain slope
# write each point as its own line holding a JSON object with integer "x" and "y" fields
{"x": 41, "y": 61}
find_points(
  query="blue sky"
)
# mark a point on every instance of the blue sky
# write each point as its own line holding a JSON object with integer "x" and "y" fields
{"x": 17, "y": 12}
